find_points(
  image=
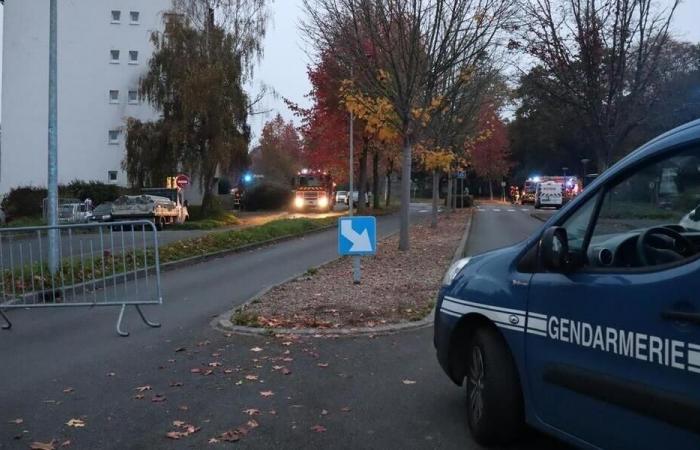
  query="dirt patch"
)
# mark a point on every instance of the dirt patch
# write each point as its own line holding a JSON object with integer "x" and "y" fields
{"x": 396, "y": 286}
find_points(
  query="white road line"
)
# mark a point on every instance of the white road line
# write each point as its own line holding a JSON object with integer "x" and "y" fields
{"x": 511, "y": 210}
{"x": 496, "y": 210}
{"x": 524, "y": 209}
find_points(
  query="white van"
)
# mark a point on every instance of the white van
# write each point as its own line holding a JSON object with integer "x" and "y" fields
{"x": 549, "y": 193}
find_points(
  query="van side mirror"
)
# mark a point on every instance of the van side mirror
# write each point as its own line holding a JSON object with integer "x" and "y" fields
{"x": 555, "y": 255}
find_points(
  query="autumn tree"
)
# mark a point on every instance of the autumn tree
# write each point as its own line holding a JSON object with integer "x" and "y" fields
{"x": 437, "y": 161}
{"x": 601, "y": 60}
{"x": 279, "y": 153}
{"x": 324, "y": 125}
{"x": 488, "y": 149}
{"x": 403, "y": 51}
{"x": 150, "y": 156}
{"x": 194, "y": 79}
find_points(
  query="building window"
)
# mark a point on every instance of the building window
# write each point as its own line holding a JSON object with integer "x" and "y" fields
{"x": 116, "y": 16}
{"x": 112, "y": 176}
{"x": 113, "y": 137}
{"x": 133, "y": 97}
{"x": 114, "y": 96}
{"x": 133, "y": 57}
{"x": 134, "y": 17}
{"x": 114, "y": 55}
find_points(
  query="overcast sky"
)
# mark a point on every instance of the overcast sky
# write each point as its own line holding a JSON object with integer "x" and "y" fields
{"x": 283, "y": 68}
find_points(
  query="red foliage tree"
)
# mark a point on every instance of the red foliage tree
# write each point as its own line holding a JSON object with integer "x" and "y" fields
{"x": 325, "y": 124}
{"x": 489, "y": 151}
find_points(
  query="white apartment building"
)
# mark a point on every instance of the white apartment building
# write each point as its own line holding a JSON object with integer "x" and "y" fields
{"x": 103, "y": 49}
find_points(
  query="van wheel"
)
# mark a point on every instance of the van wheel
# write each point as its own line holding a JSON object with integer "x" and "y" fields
{"x": 494, "y": 397}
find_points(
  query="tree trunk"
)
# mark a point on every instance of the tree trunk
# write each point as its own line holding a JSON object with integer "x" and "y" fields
{"x": 436, "y": 196}
{"x": 388, "y": 188}
{"x": 491, "y": 189}
{"x": 375, "y": 180}
{"x": 404, "y": 243}
{"x": 362, "y": 183}
{"x": 448, "y": 203}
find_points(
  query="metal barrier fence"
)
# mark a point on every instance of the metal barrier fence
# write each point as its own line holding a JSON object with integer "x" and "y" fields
{"x": 100, "y": 264}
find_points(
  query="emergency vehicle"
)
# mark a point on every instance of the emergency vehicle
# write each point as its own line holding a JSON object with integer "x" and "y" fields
{"x": 549, "y": 193}
{"x": 589, "y": 329}
{"x": 313, "y": 189}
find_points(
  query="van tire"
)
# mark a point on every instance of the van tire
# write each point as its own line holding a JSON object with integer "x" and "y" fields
{"x": 495, "y": 412}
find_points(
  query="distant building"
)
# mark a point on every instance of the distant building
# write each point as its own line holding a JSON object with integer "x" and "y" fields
{"x": 103, "y": 50}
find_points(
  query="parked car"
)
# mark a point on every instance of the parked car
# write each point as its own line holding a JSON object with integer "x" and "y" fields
{"x": 74, "y": 213}
{"x": 341, "y": 197}
{"x": 103, "y": 213}
{"x": 590, "y": 328}
{"x": 355, "y": 195}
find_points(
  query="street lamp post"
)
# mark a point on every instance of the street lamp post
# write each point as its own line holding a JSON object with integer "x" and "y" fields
{"x": 52, "y": 182}
{"x": 356, "y": 274}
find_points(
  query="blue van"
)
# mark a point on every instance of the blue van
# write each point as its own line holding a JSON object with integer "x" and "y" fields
{"x": 590, "y": 329}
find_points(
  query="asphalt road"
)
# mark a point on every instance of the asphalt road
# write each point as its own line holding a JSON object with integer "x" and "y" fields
{"x": 378, "y": 392}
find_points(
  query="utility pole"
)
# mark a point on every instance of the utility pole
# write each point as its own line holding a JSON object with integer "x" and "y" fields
{"x": 53, "y": 140}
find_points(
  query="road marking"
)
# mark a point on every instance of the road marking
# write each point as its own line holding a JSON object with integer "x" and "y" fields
{"x": 524, "y": 209}
{"x": 511, "y": 210}
{"x": 496, "y": 210}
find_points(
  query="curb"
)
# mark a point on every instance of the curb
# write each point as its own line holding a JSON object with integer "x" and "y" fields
{"x": 223, "y": 321}
{"x": 538, "y": 217}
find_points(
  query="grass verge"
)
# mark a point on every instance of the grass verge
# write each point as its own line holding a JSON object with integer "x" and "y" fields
{"x": 219, "y": 219}
{"x": 32, "y": 278}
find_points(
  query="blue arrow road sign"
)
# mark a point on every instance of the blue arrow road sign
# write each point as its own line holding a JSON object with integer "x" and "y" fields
{"x": 357, "y": 235}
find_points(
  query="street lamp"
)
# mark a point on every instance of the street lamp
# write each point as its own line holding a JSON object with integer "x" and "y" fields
{"x": 564, "y": 169}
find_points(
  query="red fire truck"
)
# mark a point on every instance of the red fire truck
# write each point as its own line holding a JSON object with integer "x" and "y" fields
{"x": 313, "y": 189}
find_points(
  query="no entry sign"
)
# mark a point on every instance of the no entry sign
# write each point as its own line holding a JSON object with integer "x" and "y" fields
{"x": 182, "y": 181}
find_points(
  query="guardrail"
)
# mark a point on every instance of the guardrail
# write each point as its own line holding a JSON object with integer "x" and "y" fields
{"x": 100, "y": 264}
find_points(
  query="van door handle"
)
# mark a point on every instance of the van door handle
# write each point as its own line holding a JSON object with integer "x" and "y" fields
{"x": 681, "y": 316}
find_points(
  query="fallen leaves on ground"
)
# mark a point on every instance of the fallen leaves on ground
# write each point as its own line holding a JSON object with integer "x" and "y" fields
{"x": 322, "y": 365}
{"x": 68, "y": 390}
{"x": 408, "y": 382}
{"x": 345, "y": 409}
{"x": 252, "y": 411}
{"x": 256, "y": 349}
{"x": 158, "y": 398}
{"x": 76, "y": 423}
{"x": 143, "y": 388}
{"x": 397, "y": 286}
{"x": 176, "y": 384}
{"x": 267, "y": 393}
{"x": 17, "y": 421}
{"x": 182, "y": 429}
{"x": 318, "y": 429}
{"x": 43, "y": 445}
{"x": 251, "y": 377}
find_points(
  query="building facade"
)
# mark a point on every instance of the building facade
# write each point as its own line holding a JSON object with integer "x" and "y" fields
{"x": 103, "y": 50}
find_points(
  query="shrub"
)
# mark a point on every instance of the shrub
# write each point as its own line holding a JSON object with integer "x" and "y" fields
{"x": 96, "y": 191}
{"x": 26, "y": 201}
{"x": 267, "y": 196}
